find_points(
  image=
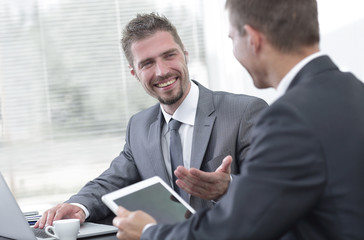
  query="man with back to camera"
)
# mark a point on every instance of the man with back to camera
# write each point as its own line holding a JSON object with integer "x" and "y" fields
{"x": 214, "y": 125}
{"x": 303, "y": 176}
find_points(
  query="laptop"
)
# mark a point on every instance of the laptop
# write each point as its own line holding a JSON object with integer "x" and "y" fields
{"x": 153, "y": 196}
{"x": 14, "y": 225}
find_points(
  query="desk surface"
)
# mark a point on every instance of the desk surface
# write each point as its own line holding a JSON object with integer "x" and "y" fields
{"x": 111, "y": 236}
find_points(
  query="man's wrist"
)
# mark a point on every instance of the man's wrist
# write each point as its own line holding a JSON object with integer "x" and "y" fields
{"x": 215, "y": 201}
{"x": 148, "y": 226}
{"x": 84, "y": 209}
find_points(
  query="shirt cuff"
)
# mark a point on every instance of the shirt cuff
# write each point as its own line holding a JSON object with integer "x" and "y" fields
{"x": 148, "y": 226}
{"x": 87, "y": 213}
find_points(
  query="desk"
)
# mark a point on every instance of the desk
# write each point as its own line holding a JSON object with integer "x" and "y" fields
{"x": 111, "y": 236}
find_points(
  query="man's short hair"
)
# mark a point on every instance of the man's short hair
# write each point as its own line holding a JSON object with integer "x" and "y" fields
{"x": 288, "y": 25}
{"x": 145, "y": 25}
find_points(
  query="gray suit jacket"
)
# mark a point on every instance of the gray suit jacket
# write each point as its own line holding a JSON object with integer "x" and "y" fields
{"x": 303, "y": 177}
{"x": 222, "y": 127}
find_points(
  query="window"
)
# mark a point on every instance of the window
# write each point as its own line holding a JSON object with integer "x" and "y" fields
{"x": 65, "y": 90}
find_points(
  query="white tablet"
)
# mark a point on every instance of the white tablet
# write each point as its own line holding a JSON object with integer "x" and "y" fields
{"x": 154, "y": 197}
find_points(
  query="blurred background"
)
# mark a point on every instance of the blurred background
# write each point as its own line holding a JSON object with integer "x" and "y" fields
{"x": 66, "y": 93}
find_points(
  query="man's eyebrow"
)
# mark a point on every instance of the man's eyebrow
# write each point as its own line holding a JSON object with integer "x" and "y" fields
{"x": 170, "y": 51}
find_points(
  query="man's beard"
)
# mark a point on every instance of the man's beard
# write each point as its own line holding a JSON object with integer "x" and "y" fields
{"x": 172, "y": 100}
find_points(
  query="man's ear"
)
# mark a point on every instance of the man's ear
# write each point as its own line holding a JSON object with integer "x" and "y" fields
{"x": 254, "y": 37}
{"x": 132, "y": 71}
{"x": 186, "y": 55}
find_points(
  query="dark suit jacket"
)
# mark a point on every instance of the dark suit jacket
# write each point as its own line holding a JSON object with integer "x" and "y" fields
{"x": 222, "y": 127}
{"x": 303, "y": 177}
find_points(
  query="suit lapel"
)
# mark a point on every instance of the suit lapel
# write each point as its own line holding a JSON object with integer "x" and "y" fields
{"x": 155, "y": 149}
{"x": 204, "y": 123}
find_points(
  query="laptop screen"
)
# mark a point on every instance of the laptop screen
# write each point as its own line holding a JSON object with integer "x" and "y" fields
{"x": 12, "y": 222}
{"x": 14, "y": 225}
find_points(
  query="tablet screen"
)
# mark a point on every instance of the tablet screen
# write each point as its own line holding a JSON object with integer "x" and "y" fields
{"x": 154, "y": 199}
{"x": 157, "y": 201}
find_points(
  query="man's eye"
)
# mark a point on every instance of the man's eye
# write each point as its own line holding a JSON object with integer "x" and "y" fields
{"x": 146, "y": 64}
{"x": 170, "y": 55}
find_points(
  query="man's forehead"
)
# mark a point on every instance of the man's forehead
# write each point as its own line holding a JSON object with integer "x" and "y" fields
{"x": 157, "y": 37}
{"x": 153, "y": 45}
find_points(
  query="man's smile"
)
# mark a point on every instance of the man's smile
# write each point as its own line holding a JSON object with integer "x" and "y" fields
{"x": 165, "y": 84}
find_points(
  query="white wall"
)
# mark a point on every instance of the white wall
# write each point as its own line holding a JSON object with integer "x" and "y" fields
{"x": 342, "y": 37}
{"x": 342, "y": 33}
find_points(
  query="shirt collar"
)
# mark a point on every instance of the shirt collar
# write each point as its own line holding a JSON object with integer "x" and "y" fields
{"x": 186, "y": 112}
{"x": 287, "y": 79}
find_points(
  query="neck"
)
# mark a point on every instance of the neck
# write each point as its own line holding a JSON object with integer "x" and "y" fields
{"x": 170, "y": 109}
{"x": 281, "y": 63}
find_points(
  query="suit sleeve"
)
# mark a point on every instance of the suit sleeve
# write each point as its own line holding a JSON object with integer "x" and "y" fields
{"x": 251, "y": 115}
{"x": 122, "y": 172}
{"x": 281, "y": 180}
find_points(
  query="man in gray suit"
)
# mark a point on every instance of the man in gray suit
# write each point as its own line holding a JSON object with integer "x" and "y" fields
{"x": 214, "y": 125}
{"x": 303, "y": 176}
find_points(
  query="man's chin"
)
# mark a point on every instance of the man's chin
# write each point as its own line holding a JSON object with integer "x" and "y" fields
{"x": 168, "y": 101}
{"x": 171, "y": 100}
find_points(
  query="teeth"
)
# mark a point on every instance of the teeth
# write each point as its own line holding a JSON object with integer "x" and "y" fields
{"x": 161, "y": 85}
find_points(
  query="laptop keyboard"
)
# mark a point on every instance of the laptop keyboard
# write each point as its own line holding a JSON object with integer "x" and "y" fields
{"x": 40, "y": 233}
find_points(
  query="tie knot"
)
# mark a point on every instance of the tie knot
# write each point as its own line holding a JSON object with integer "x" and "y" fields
{"x": 174, "y": 124}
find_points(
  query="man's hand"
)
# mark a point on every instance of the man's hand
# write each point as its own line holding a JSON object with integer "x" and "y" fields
{"x": 206, "y": 185}
{"x": 131, "y": 224}
{"x": 61, "y": 211}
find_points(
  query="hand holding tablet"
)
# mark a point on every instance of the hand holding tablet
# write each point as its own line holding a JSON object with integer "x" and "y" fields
{"x": 152, "y": 196}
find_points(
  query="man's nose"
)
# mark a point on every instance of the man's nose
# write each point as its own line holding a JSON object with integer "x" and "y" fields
{"x": 161, "y": 68}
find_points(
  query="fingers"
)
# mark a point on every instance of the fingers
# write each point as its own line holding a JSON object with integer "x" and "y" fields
{"x": 81, "y": 215}
{"x": 199, "y": 175}
{"x": 181, "y": 172}
{"x": 192, "y": 176}
{"x": 47, "y": 217}
{"x": 225, "y": 165}
{"x": 64, "y": 210}
{"x": 187, "y": 181}
{"x": 41, "y": 222}
{"x": 131, "y": 224}
{"x": 206, "y": 185}
{"x": 197, "y": 187}
{"x": 118, "y": 222}
{"x": 193, "y": 190}
{"x": 122, "y": 212}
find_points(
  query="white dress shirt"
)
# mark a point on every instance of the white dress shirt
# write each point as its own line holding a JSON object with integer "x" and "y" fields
{"x": 287, "y": 79}
{"x": 185, "y": 114}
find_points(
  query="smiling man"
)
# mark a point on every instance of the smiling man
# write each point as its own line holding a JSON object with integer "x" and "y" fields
{"x": 213, "y": 125}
